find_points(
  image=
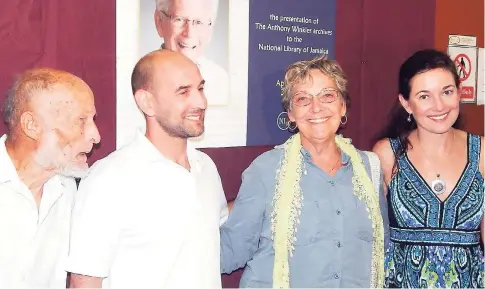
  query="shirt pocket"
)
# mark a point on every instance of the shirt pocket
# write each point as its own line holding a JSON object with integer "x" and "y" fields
{"x": 362, "y": 247}
{"x": 364, "y": 235}
{"x": 312, "y": 225}
{"x": 362, "y": 224}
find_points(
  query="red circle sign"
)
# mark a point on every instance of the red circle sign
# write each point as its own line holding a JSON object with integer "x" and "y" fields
{"x": 463, "y": 66}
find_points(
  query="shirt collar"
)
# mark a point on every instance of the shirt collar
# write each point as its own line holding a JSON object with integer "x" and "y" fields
{"x": 307, "y": 156}
{"x": 7, "y": 169}
{"x": 9, "y": 172}
{"x": 151, "y": 154}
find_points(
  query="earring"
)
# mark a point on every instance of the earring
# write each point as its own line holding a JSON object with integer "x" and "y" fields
{"x": 343, "y": 122}
{"x": 409, "y": 118}
{"x": 292, "y": 128}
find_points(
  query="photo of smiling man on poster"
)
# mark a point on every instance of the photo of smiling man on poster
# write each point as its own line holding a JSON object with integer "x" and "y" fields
{"x": 186, "y": 26}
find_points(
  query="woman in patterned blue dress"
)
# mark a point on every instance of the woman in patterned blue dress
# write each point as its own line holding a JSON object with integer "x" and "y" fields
{"x": 434, "y": 173}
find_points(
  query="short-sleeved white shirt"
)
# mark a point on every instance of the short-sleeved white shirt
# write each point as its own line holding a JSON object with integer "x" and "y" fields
{"x": 33, "y": 240}
{"x": 143, "y": 221}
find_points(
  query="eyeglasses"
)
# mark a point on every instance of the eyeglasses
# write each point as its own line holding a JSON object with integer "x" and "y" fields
{"x": 179, "y": 21}
{"x": 326, "y": 95}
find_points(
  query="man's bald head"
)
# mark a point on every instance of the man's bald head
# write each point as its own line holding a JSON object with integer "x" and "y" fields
{"x": 35, "y": 82}
{"x": 169, "y": 90}
{"x": 163, "y": 59}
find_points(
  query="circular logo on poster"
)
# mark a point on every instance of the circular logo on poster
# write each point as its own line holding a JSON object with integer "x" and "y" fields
{"x": 282, "y": 121}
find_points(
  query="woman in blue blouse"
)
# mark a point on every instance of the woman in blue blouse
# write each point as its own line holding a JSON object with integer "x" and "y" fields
{"x": 311, "y": 212}
{"x": 435, "y": 176}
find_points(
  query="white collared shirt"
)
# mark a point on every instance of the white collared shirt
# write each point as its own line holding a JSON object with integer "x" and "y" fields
{"x": 143, "y": 221}
{"x": 33, "y": 241}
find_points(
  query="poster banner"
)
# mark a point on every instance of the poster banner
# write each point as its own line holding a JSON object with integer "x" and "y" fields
{"x": 280, "y": 33}
{"x": 242, "y": 48}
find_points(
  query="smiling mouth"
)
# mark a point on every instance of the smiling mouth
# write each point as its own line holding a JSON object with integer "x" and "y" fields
{"x": 439, "y": 117}
{"x": 194, "y": 117}
{"x": 318, "y": 120}
{"x": 186, "y": 46}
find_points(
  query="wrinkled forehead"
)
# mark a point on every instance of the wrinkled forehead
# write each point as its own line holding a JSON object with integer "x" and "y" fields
{"x": 64, "y": 101}
{"x": 196, "y": 9}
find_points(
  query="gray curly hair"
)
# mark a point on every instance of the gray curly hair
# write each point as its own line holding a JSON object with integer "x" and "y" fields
{"x": 300, "y": 71}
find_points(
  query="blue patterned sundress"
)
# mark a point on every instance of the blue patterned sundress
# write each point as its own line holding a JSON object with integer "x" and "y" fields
{"x": 435, "y": 243}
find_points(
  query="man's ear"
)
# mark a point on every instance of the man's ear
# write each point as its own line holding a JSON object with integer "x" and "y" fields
{"x": 157, "y": 17}
{"x": 405, "y": 104}
{"x": 30, "y": 125}
{"x": 144, "y": 101}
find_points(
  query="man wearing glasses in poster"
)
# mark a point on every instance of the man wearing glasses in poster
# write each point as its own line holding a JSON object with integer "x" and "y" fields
{"x": 186, "y": 26}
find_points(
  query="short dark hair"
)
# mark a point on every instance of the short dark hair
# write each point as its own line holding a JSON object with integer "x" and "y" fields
{"x": 142, "y": 74}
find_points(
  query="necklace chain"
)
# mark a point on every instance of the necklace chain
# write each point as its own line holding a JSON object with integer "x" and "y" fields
{"x": 438, "y": 186}
{"x": 335, "y": 165}
{"x": 426, "y": 156}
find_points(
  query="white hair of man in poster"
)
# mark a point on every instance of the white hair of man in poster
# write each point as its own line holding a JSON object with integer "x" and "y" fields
{"x": 186, "y": 26}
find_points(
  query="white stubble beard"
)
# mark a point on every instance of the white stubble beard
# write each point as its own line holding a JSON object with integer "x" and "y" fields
{"x": 48, "y": 154}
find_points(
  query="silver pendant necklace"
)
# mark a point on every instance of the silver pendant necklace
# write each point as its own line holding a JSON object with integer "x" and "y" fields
{"x": 438, "y": 186}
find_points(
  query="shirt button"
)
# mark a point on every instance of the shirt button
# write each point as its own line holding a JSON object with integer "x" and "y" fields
{"x": 338, "y": 212}
{"x": 338, "y": 244}
{"x": 336, "y": 276}
{"x": 332, "y": 183}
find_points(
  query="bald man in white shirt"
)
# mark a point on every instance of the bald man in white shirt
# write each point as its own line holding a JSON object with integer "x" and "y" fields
{"x": 148, "y": 215}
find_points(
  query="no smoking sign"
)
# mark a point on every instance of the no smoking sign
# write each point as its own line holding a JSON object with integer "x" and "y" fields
{"x": 463, "y": 66}
{"x": 465, "y": 61}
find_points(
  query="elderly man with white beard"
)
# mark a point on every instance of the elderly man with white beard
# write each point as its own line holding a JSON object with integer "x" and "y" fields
{"x": 49, "y": 115}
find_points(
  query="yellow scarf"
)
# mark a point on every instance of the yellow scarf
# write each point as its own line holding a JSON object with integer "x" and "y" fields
{"x": 287, "y": 202}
